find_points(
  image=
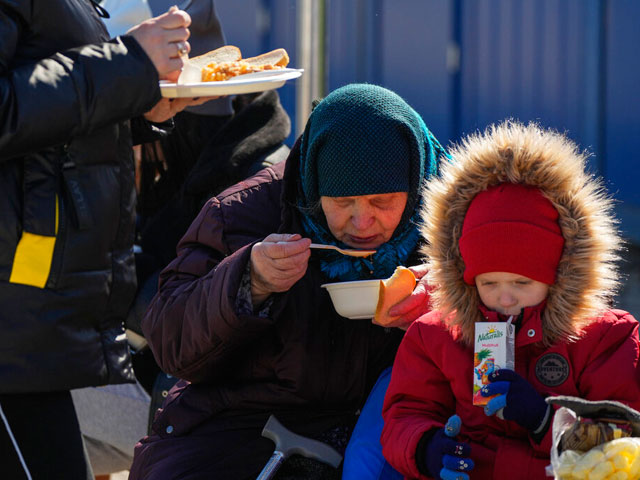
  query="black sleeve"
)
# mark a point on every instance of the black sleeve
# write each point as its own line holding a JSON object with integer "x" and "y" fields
{"x": 144, "y": 131}
{"x": 70, "y": 93}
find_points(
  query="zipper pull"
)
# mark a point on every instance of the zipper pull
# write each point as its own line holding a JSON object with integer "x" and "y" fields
{"x": 102, "y": 12}
{"x": 80, "y": 207}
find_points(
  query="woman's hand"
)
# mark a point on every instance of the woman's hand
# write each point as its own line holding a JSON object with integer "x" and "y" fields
{"x": 168, "y": 107}
{"x": 277, "y": 263}
{"x": 163, "y": 38}
{"x": 416, "y": 304}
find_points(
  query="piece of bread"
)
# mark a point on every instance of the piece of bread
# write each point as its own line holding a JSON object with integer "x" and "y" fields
{"x": 392, "y": 291}
{"x": 225, "y": 62}
{"x": 228, "y": 53}
{"x": 277, "y": 57}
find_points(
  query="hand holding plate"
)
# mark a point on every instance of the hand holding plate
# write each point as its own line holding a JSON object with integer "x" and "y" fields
{"x": 166, "y": 108}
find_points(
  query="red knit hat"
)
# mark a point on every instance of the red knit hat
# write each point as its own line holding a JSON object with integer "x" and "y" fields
{"x": 511, "y": 228}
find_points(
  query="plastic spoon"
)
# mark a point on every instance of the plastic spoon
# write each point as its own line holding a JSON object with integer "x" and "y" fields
{"x": 344, "y": 251}
{"x": 190, "y": 73}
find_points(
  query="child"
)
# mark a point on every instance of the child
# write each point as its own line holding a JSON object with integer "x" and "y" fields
{"x": 515, "y": 228}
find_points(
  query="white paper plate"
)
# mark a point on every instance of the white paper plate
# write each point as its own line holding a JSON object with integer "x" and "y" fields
{"x": 249, "y": 83}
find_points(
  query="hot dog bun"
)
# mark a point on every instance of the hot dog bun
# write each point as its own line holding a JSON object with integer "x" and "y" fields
{"x": 228, "y": 53}
{"x": 277, "y": 57}
{"x": 392, "y": 291}
{"x": 226, "y": 62}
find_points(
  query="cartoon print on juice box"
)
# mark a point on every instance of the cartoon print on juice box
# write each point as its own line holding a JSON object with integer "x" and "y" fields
{"x": 494, "y": 350}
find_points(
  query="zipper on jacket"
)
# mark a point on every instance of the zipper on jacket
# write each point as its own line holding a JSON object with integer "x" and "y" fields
{"x": 56, "y": 264}
{"x": 79, "y": 207}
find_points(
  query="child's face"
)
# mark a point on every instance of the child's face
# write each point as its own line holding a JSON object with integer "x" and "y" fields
{"x": 509, "y": 293}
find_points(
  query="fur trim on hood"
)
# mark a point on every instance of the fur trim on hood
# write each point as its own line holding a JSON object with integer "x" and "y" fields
{"x": 587, "y": 275}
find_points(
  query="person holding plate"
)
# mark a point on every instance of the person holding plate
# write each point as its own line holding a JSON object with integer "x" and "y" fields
{"x": 66, "y": 229}
{"x": 210, "y": 147}
{"x": 241, "y": 317}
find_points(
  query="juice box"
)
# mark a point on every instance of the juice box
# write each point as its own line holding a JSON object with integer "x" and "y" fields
{"x": 493, "y": 350}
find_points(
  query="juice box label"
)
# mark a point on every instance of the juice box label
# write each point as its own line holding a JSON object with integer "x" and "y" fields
{"x": 493, "y": 350}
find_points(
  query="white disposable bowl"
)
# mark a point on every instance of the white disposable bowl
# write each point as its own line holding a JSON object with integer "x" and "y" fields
{"x": 355, "y": 300}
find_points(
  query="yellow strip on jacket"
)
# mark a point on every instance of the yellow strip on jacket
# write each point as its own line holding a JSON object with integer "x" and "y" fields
{"x": 34, "y": 254}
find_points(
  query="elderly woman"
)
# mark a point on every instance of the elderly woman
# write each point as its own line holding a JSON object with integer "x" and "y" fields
{"x": 240, "y": 314}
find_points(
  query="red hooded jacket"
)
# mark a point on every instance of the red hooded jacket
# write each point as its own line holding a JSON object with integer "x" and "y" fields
{"x": 433, "y": 379}
{"x": 571, "y": 344}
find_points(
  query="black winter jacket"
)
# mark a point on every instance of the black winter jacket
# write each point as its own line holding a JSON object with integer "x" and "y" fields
{"x": 68, "y": 198}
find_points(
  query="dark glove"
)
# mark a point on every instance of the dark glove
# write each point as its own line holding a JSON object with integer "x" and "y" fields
{"x": 517, "y": 399}
{"x": 447, "y": 458}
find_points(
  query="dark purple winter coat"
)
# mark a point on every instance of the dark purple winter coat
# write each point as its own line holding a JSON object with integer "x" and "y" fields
{"x": 304, "y": 363}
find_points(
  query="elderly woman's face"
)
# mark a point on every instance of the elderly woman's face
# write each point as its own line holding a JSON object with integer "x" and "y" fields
{"x": 364, "y": 221}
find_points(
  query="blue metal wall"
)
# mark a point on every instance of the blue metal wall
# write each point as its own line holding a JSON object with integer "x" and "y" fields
{"x": 463, "y": 64}
{"x": 534, "y": 60}
{"x": 400, "y": 44}
{"x": 622, "y": 111}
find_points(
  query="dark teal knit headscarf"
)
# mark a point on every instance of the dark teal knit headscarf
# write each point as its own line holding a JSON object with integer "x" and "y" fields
{"x": 364, "y": 140}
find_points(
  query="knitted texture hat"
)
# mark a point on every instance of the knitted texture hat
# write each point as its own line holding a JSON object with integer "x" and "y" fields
{"x": 363, "y": 140}
{"x": 379, "y": 164}
{"x": 511, "y": 228}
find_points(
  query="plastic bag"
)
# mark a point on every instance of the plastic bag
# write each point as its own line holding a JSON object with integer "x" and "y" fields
{"x": 617, "y": 459}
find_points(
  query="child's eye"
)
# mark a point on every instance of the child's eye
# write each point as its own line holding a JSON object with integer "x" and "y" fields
{"x": 523, "y": 282}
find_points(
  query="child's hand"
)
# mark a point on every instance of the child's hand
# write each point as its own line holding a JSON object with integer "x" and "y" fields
{"x": 517, "y": 400}
{"x": 447, "y": 458}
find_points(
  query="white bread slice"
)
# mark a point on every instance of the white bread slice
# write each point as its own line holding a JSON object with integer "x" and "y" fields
{"x": 392, "y": 291}
{"x": 277, "y": 57}
{"x": 228, "y": 53}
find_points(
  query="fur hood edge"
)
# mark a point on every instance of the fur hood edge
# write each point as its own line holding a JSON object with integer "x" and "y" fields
{"x": 587, "y": 276}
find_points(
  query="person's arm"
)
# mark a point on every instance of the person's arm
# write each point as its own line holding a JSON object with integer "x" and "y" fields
{"x": 76, "y": 91}
{"x": 616, "y": 349}
{"x": 194, "y": 325}
{"x": 610, "y": 345}
{"x": 196, "y": 316}
{"x": 418, "y": 400}
{"x": 71, "y": 93}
